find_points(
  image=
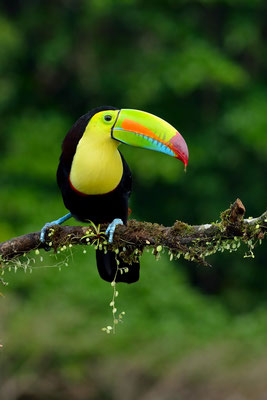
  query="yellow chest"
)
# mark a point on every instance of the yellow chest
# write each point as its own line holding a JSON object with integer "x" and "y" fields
{"x": 97, "y": 165}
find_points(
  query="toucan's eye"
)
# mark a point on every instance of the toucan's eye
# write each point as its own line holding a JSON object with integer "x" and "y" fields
{"x": 107, "y": 118}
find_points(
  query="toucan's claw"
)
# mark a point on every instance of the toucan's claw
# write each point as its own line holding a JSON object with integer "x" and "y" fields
{"x": 56, "y": 222}
{"x": 44, "y": 228}
{"x": 111, "y": 228}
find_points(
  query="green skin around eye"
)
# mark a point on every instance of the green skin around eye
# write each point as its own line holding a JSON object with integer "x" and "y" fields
{"x": 95, "y": 180}
{"x": 108, "y": 118}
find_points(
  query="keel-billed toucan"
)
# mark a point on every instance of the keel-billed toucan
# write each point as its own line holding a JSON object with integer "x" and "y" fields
{"x": 94, "y": 178}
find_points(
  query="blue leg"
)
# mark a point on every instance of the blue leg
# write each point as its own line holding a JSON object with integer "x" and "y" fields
{"x": 111, "y": 228}
{"x": 56, "y": 222}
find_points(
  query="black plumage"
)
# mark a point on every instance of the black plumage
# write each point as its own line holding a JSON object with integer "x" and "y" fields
{"x": 103, "y": 208}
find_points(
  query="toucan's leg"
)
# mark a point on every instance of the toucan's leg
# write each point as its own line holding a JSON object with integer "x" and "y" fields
{"x": 111, "y": 228}
{"x": 56, "y": 222}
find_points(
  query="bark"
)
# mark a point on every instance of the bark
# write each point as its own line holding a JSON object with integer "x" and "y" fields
{"x": 194, "y": 242}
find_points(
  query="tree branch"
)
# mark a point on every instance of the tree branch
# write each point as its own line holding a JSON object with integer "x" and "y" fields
{"x": 194, "y": 242}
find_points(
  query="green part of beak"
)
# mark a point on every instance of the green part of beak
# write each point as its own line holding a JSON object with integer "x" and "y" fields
{"x": 141, "y": 129}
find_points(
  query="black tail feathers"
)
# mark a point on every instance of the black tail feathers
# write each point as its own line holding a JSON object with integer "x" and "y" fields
{"x": 108, "y": 269}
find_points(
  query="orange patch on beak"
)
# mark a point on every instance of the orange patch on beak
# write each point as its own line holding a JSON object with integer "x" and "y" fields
{"x": 133, "y": 126}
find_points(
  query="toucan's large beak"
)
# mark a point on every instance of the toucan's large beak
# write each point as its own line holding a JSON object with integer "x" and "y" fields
{"x": 141, "y": 129}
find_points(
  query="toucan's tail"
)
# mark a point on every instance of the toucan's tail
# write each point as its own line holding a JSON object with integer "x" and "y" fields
{"x": 108, "y": 269}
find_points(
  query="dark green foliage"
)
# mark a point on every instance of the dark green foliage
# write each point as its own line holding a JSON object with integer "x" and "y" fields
{"x": 201, "y": 66}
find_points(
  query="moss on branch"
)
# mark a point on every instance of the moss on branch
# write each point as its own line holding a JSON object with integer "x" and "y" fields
{"x": 193, "y": 242}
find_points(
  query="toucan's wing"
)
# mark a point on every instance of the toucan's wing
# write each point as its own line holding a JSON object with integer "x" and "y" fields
{"x": 126, "y": 181}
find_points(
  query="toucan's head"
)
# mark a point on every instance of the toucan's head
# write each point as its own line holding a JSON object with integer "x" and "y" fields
{"x": 137, "y": 128}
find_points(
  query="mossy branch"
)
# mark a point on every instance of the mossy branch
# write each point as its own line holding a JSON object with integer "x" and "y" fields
{"x": 194, "y": 242}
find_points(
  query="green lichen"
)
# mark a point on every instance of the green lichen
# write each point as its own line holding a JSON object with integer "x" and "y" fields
{"x": 182, "y": 229}
{"x": 225, "y": 216}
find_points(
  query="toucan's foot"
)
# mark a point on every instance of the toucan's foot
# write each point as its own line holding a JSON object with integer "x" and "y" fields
{"x": 111, "y": 228}
{"x": 56, "y": 222}
{"x": 44, "y": 228}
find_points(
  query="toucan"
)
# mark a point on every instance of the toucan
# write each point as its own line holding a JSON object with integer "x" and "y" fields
{"x": 95, "y": 180}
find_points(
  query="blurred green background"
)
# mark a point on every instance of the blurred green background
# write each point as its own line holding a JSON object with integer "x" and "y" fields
{"x": 189, "y": 331}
